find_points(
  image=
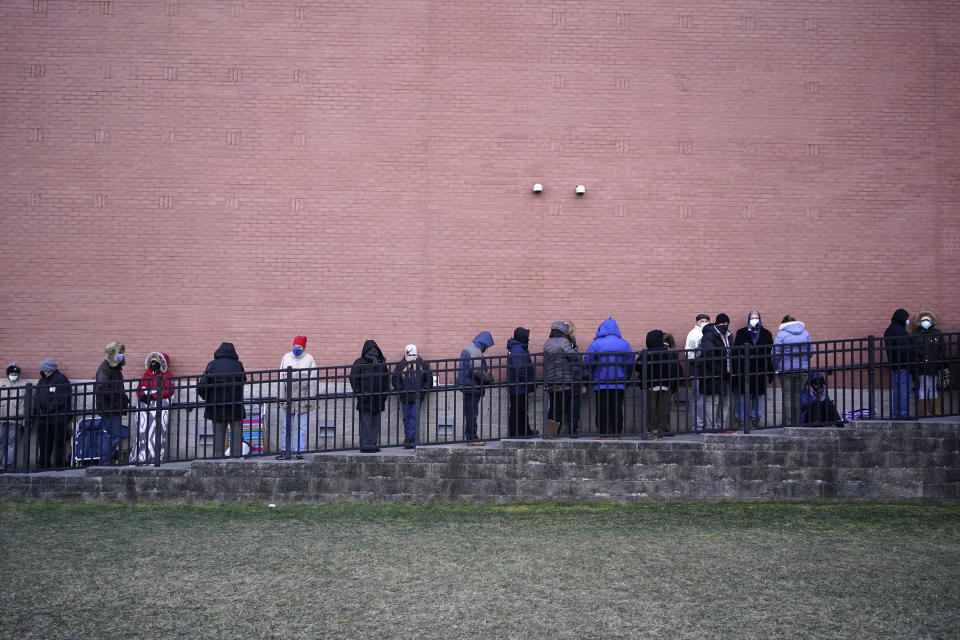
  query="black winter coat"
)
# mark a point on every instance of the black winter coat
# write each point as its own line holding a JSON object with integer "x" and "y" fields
{"x": 663, "y": 365}
{"x": 931, "y": 351}
{"x": 761, "y": 364}
{"x": 899, "y": 347}
{"x": 370, "y": 380}
{"x": 412, "y": 379}
{"x": 52, "y": 396}
{"x": 110, "y": 398}
{"x": 713, "y": 361}
{"x": 221, "y": 386}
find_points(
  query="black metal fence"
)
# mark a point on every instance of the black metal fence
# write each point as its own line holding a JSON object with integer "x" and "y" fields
{"x": 647, "y": 394}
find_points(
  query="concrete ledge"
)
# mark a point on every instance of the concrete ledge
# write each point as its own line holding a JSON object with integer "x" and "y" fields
{"x": 916, "y": 462}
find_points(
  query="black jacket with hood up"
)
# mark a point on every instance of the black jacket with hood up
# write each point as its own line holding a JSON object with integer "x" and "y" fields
{"x": 897, "y": 341}
{"x": 370, "y": 379}
{"x": 221, "y": 385}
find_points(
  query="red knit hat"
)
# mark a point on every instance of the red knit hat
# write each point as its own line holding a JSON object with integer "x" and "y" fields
{"x": 300, "y": 340}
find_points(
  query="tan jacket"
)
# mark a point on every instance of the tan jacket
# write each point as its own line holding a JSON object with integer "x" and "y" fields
{"x": 304, "y": 381}
{"x": 11, "y": 402}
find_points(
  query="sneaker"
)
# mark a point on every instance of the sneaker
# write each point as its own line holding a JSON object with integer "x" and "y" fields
{"x": 283, "y": 456}
{"x": 370, "y": 450}
{"x": 299, "y": 456}
{"x": 408, "y": 445}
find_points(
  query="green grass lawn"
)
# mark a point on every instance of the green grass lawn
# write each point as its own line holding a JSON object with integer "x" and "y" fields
{"x": 723, "y": 571}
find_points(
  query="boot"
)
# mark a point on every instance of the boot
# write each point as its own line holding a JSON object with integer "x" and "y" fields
{"x": 553, "y": 427}
{"x": 921, "y": 407}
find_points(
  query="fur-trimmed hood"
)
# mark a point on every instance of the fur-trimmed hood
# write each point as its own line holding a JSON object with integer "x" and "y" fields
{"x": 162, "y": 357}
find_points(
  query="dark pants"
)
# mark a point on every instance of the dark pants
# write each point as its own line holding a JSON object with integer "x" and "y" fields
{"x": 658, "y": 411}
{"x": 565, "y": 407}
{"x": 220, "y": 438}
{"x": 517, "y": 415}
{"x": 471, "y": 407}
{"x": 369, "y": 430}
{"x": 51, "y": 442}
{"x": 410, "y": 411}
{"x": 610, "y": 411}
{"x": 110, "y": 437}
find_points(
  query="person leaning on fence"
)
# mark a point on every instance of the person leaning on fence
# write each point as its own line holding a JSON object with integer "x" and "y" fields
{"x": 12, "y": 390}
{"x": 153, "y": 393}
{"x": 661, "y": 379}
{"x": 111, "y": 400}
{"x": 931, "y": 362}
{"x": 472, "y": 377}
{"x": 522, "y": 377}
{"x": 562, "y": 374}
{"x": 303, "y": 387}
{"x": 692, "y": 346}
{"x": 901, "y": 356}
{"x": 370, "y": 380}
{"x": 714, "y": 369}
{"x": 51, "y": 405}
{"x": 791, "y": 353}
{"x": 816, "y": 405}
{"x": 221, "y": 388}
{"x": 411, "y": 378}
{"x": 761, "y": 369}
{"x": 610, "y": 359}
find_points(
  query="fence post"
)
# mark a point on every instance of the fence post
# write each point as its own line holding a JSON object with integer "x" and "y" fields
{"x": 644, "y": 394}
{"x": 871, "y": 372}
{"x": 747, "y": 399}
{"x": 27, "y": 426}
{"x": 288, "y": 418}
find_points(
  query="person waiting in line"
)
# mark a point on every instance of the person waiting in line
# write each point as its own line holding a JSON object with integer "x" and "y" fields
{"x": 692, "y": 346}
{"x": 303, "y": 387}
{"x": 562, "y": 374}
{"x": 792, "y": 351}
{"x": 760, "y": 363}
{"x": 51, "y": 406}
{"x": 472, "y": 377}
{"x": 714, "y": 370}
{"x": 153, "y": 392}
{"x": 931, "y": 354}
{"x": 370, "y": 380}
{"x": 661, "y": 379}
{"x": 901, "y": 356}
{"x": 521, "y": 376}
{"x": 111, "y": 400}
{"x": 12, "y": 431}
{"x": 221, "y": 387}
{"x": 411, "y": 378}
{"x": 816, "y": 407}
{"x": 610, "y": 360}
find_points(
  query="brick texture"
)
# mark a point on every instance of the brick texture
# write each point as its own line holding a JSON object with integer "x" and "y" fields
{"x": 179, "y": 173}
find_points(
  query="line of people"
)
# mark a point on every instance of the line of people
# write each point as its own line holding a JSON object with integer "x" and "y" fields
{"x": 917, "y": 362}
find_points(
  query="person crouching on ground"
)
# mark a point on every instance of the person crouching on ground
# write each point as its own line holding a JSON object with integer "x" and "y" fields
{"x": 370, "y": 380}
{"x": 411, "y": 379}
{"x": 153, "y": 391}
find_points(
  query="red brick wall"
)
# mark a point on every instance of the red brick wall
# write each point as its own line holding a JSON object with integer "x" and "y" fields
{"x": 179, "y": 173}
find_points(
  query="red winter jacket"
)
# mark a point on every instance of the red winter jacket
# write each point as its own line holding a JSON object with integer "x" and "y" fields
{"x": 150, "y": 382}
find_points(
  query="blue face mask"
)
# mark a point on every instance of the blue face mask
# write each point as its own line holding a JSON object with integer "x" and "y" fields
{"x": 120, "y": 358}
{"x": 298, "y": 351}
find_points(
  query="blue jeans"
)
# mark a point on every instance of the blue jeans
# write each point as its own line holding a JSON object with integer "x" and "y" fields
{"x": 756, "y": 408}
{"x": 297, "y": 427}
{"x": 410, "y": 411}
{"x": 900, "y": 394}
{"x": 110, "y": 438}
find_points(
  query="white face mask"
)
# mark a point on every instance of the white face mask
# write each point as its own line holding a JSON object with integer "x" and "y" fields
{"x": 754, "y": 322}
{"x": 13, "y": 377}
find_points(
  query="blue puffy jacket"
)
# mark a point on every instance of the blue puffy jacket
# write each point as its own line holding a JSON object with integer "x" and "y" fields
{"x": 611, "y": 370}
{"x": 521, "y": 374}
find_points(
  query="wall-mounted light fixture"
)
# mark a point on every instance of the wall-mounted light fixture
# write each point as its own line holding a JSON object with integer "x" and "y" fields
{"x": 581, "y": 189}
